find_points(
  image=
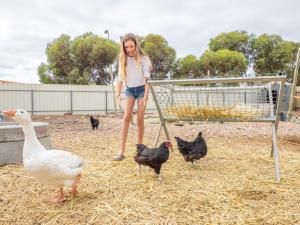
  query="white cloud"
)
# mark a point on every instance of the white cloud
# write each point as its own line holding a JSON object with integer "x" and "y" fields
{"x": 27, "y": 26}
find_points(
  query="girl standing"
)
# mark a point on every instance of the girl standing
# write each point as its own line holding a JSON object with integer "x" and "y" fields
{"x": 134, "y": 71}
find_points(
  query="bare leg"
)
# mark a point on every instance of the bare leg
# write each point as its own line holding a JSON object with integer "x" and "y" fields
{"x": 140, "y": 121}
{"x": 126, "y": 122}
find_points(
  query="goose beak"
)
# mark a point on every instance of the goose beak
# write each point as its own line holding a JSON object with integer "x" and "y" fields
{"x": 9, "y": 113}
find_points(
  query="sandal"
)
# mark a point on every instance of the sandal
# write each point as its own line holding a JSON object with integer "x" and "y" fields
{"x": 118, "y": 158}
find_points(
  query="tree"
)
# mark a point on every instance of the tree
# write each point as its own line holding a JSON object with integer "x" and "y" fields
{"x": 239, "y": 41}
{"x": 266, "y": 53}
{"x": 273, "y": 54}
{"x": 160, "y": 53}
{"x": 223, "y": 63}
{"x": 59, "y": 61}
{"x": 188, "y": 66}
{"x": 84, "y": 60}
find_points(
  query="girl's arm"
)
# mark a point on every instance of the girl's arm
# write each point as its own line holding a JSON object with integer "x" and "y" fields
{"x": 119, "y": 88}
{"x": 146, "y": 94}
{"x": 118, "y": 93}
{"x": 119, "y": 83}
{"x": 147, "y": 70}
{"x": 146, "y": 91}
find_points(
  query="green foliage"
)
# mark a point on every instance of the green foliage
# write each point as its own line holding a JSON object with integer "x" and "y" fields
{"x": 160, "y": 53}
{"x": 273, "y": 54}
{"x": 224, "y": 63}
{"x": 239, "y": 41}
{"x": 188, "y": 66}
{"x": 84, "y": 60}
{"x": 267, "y": 53}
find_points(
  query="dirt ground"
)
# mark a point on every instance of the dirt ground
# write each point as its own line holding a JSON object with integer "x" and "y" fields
{"x": 233, "y": 184}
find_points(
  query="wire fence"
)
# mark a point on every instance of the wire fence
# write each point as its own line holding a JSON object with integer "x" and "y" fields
{"x": 243, "y": 101}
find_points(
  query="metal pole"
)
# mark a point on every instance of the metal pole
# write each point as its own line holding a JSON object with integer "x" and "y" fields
{"x": 207, "y": 94}
{"x": 279, "y": 99}
{"x": 295, "y": 80}
{"x": 172, "y": 97}
{"x": 32, "y": 104}
{"x": 208, "y": 75}
{"x": 272, "y": 114}
{"x": 71, "y": 102}
{"x": 157, "y": 136}
{"x": 112, "y": 78}
{"x": 162, "y": 120}
{"x": 219, "y": 80}
{"x": 106, "y": 102}
{"x": 276, "y": 156}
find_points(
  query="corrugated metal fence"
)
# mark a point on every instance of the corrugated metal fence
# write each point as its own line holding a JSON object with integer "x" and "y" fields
{"x": 47, "y": 99}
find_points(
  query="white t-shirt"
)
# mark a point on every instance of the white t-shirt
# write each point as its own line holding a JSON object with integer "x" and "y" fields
{"x": 135, "y": 75}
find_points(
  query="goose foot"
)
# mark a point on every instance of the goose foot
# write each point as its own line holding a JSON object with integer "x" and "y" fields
{"x": 61, "y": 197}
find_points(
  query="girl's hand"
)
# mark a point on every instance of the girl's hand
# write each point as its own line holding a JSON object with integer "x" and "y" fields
{"x": 118, "y": 100}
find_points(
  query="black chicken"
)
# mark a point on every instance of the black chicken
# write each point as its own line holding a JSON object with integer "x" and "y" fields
{"x": 94, "y": 122}
{"x": 192, "y": 150}
{"x": 152, "y": 157}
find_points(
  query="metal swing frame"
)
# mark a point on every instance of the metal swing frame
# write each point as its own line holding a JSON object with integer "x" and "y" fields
{"x": 273, "y": 118}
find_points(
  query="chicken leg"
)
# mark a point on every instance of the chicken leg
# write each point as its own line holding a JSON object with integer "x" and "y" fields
{"x": 157, "y": 172}
{"x": 194, "y": 163}
{"x": 139, "y": 170}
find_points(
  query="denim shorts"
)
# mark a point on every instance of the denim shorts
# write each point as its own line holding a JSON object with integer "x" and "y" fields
{"x": 135, "y": 92}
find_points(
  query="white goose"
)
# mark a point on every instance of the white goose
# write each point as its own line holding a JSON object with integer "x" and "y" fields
{"x": 55, "y": 167}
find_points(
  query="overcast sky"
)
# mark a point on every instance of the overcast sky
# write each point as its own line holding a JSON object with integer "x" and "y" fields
{"x": 26, "y": 26}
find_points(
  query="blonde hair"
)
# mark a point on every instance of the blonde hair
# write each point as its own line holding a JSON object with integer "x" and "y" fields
{"x": 123, "y": 55}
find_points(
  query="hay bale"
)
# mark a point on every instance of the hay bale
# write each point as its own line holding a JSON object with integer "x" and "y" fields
{"x": 206, "y": 112}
